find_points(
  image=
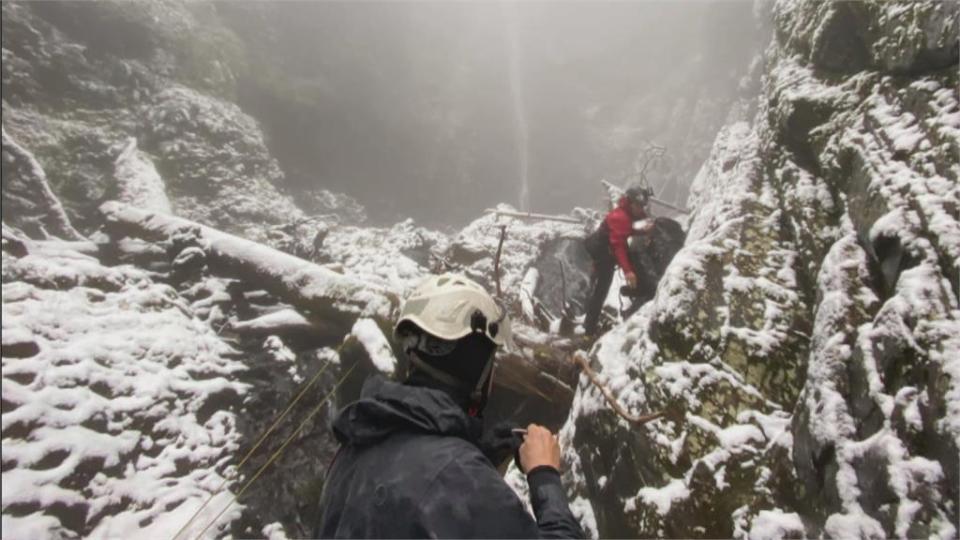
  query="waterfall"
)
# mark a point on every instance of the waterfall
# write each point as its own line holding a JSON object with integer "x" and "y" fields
{"x": 509, "y": 10}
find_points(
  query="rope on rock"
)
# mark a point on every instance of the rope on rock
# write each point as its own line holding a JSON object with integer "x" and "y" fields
{"x": 579, "y": 358}
{"x": 279, "y": 450}
{"x": 256, "y": 446}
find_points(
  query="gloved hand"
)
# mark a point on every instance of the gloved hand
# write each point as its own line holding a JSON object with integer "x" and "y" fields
{"x": 631, "y": 280}
{"x": 500, "y": 443}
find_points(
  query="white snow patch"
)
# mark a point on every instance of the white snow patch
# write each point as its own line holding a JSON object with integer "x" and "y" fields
{"x": 776, "y": 524}
{"x": 277, "y": 350}
{"x": 740, "y": 435}
{"x": 663, "y": 498}
{"x": 518, "y": 483}
{"x": 857, "y": 525}
{"x": 376, "y": 345}
{"x": 527, "y": 288}
{"x": 274, "y": 531}
{"x": 583, "y": 511}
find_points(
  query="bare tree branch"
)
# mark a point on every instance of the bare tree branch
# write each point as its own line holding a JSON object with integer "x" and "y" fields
{"x": 579, "y": 358}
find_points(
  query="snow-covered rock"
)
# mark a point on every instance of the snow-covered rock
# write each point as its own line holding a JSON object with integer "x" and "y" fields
{"x": 803, "y": 341}
{"x": 117, "y": 421}
{"x": 156, "y": 77}
{"x": 217, "y": 166}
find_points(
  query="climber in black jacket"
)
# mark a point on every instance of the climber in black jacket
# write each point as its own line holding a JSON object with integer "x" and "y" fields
{"x": 410, "y": 463}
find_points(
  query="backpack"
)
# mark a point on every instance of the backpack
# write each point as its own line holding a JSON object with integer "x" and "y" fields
{"x": 598, "y": 242}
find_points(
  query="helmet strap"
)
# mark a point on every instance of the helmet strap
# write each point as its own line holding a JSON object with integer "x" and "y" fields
{"x": 477, "y": 395}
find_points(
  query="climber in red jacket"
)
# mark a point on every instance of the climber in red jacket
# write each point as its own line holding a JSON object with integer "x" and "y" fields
{"x": 608, "y": 247}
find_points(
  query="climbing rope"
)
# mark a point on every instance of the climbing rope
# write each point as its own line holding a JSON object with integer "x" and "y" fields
{"x": 256, "y": 446}
{"x": 279, "y": 450}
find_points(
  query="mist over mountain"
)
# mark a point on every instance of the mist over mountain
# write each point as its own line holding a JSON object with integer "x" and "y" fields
{"x": 437, "y": 110}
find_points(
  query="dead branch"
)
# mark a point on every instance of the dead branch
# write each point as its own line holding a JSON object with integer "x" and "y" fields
{"x": 496, "y": 259}
{"x": 28, "y": 202}
{"x": 563, "y": 290}
{"x": 532, "y": 216}
{"x": 614, "y": 193}
{"x": 280, "y": 322}
{"x": 579, "y": 358}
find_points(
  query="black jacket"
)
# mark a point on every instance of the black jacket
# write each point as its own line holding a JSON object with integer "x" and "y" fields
{"x": 409, "y": 467}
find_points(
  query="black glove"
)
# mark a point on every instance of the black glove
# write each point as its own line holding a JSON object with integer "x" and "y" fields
{"x": 500, "y": 443}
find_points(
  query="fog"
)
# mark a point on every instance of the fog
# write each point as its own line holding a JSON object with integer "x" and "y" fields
{"x": 438, "y": 110}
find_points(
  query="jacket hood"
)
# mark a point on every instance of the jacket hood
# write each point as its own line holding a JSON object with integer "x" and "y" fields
{"x": 624, "y": 203}
{"x": 386, "y": 407}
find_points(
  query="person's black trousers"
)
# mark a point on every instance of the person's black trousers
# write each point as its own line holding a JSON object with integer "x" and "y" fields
{"x": 603, "y": 268}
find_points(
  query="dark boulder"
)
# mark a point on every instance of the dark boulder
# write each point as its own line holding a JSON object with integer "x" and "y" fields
{"x": 651, "y": 253}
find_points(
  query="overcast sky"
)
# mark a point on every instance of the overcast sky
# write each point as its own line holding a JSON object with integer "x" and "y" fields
{"x": 438, "y": 110}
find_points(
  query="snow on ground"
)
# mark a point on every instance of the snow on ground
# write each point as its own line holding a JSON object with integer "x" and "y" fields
{"x": 383, "y": 256}
{"x": 839, "y": 317}
{"x": 200, "y": 140}
{"x": 397, "y": 258}
{"x": 116, "y": 421}
{"x": 774, "y": 524}
{"x": 662, "y": 497}
{"x": 518, "y": 483}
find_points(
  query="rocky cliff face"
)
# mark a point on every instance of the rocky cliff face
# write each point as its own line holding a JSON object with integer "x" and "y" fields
{"x": 803, "y": 344}
{"x": 81, "y": 80}
{"x": 804, "y": 340}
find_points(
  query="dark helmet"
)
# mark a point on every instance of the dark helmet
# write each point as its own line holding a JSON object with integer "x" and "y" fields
{"x": 639, "y": 194}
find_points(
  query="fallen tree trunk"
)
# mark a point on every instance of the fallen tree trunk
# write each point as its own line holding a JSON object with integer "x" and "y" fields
{"x": 540, "y": 368}
{"x": 297, "y": 332}
{"x": 28, "y": 202}
{"x": 316, "y": 290}
{"x": 532, "y": 216}
{"x": 328, "y": 300}
{"x": 530, "y": 376}
{"x": 290, "y": 326}
{"x": 281, "y": 322}
{"x": 138, "y": 182}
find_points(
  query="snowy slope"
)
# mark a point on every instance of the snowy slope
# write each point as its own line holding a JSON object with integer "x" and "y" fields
{"x": 115, "y": 402}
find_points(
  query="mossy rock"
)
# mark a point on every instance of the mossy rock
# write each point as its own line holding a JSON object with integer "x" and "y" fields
{"x": 621, "y": 455}
{"x": 689, "y": 329}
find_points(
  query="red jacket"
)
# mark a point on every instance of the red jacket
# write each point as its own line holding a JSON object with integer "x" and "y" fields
{"x": 620, "y": 224}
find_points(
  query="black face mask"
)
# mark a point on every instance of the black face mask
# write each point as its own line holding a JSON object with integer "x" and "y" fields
{"x": 463, "y": 368}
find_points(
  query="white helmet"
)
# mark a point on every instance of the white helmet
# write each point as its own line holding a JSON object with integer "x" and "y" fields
{"x": 451, "y": 307}
{"x": 447, "y": 308}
